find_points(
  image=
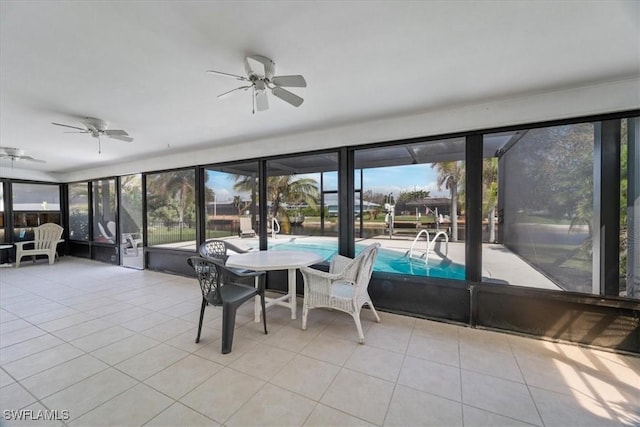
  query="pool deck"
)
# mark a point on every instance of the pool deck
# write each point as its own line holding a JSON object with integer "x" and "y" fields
{"x": 500, "y": 265}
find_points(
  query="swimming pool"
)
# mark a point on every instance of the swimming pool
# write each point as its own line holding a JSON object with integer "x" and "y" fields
{"x": 388, "y": 261}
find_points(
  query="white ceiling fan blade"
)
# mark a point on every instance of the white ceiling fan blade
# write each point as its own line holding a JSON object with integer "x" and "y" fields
{"x": 16, "y": 154}
{"x": 287, "y": 96}
{"x": 262, "y": 103}
{"x": 67, "y": 126}
{"x": 10, "y": 152}
{"x": 235, "y": 76}
{"x": 121, "y": 138}
{"x": 233, "y": 90}
{"x": 259, "y": 65}
{"x": 289, "y": 81}
{"x": 31, "y": 159}
{"x": 115, "y": 132}
{"x": 253, "y": 67}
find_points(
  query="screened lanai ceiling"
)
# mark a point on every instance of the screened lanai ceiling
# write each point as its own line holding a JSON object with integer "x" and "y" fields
{"x": 141, "y": 66}
{"x": 407, "y": 153}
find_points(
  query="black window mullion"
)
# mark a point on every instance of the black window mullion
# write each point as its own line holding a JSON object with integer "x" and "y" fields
{"x": 473, "y": 209}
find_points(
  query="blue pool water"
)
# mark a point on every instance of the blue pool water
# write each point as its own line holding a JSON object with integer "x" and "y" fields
{"x": 388, "y": 261}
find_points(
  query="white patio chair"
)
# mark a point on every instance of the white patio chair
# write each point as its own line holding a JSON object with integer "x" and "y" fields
{"x": 45, "y": 240}
{"x": 131, "y": 243}
{"x": 343, "y": 288}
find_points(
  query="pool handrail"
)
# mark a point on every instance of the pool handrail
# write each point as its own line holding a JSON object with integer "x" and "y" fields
{"x": 430, "y": 244}
{"x": 275, "y": 227}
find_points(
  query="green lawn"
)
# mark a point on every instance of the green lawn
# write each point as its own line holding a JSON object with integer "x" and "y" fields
{"x": 164, "y": 235}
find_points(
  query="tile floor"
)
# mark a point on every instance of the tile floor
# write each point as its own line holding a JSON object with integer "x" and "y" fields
{"x": 113, "y": 346}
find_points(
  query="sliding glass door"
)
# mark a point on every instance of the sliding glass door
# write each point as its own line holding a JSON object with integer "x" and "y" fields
{"x": 130, "y": 217}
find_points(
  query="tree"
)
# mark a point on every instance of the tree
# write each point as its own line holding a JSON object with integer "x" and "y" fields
{"x": 549, "y": 180}
{"x": 629, "y": 243}
{"x": 175, "y": 189}
{"x": 283, "y": 189}
{"x": 79, "y": 211}
{"x": 241, "y": 205}
{"x": 377, "y": 198}
{"x": 408, "y": 196}
{"x": 370, "y": 196}
{"x": 490, "y": 190}
{"x": 131, "y": 203}
{"x": 450, "y": 174}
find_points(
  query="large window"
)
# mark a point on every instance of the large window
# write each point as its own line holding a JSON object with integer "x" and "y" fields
{"x": 630, "y": 209}
{"x": 410, "y": 199}
{"x": 542, "y": 231}
{"x": 231, "y": 202}
{"x": 2, "y": 220}
{"x": 171, "y": 210}
{"x": 302, "y": 198}
{"x": 34, "y": 205}
{"x": 79, "y": 211}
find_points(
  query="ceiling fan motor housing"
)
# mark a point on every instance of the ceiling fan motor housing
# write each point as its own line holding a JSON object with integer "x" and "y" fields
{"x": 260, "y": 72}
{"x": 260, "y": 66}
{"x": 95, "y": 124}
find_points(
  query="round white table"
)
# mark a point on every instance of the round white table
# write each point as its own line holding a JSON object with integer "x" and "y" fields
{"x": 276, "y": 260}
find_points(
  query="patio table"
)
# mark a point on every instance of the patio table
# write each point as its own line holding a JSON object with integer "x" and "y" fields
{"x": 276, "y": 260}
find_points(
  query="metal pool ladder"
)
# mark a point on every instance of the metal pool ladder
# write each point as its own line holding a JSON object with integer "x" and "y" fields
{"x": 430, "y": 245}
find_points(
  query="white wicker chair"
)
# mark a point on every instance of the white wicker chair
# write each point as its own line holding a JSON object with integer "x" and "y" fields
{"x": 343, "y": 288}
{"x": 45, "y": 240}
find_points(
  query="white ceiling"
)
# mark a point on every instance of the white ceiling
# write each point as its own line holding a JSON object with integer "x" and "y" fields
{"x": 140, "y": 65}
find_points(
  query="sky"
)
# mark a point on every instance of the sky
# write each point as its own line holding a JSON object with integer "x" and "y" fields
{"x": 392, "y": 179}
{"x": 397, "y": 179}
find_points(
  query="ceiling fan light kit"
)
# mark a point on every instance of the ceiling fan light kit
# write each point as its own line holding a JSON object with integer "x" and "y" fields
{"x": 260, "y": 77}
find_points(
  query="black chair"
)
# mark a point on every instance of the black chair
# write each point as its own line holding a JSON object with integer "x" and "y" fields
{"x": 214, "y": 249}
{"x": 219, "y": 249}
{"x": 220, "y": 287}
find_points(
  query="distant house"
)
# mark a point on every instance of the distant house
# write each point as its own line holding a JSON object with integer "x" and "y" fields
{"x": 221, "y": 209}
{"x": 429, "y": 205}
{"x": 331, "y": 202}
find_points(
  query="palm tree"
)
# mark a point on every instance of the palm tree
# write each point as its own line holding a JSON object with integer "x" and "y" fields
{"x": 450, "y": 174}
{"x": 177, "y": 185}
{"x": 490, "y": 189}
{"x": 283, "y": 189}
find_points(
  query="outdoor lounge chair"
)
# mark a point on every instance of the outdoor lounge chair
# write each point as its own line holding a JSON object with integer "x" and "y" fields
{"x": 105, "y": 236}
{"x": 343, "y": 288}
{"x": 246, "y": 229}
{"x": 220, "y": 287}
{"x": 45, "y": 240}
{"x": 131, "y": 242}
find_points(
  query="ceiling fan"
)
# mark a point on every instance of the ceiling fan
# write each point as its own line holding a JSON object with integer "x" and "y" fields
{"x": 16, "y": 154}
{"x": 97, "y": 128}
{"x": 260, "y": 76}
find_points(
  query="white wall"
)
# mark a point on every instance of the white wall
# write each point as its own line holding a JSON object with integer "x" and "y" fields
{"x": 533, "y": 107}
{"x": 15, "y": 172}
